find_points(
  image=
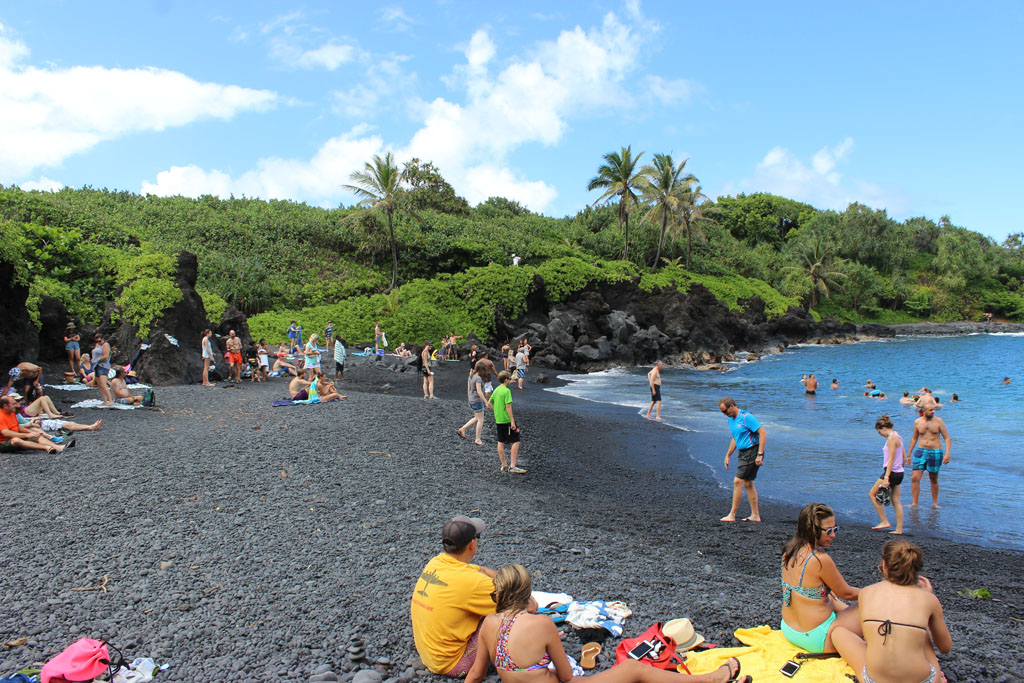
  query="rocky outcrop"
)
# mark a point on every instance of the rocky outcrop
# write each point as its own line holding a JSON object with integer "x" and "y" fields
{"x": 173, "y": 356}
{"x": 620, "y": 324}
{"x": 53, "y": 320}
{"x": 19, "y": 339}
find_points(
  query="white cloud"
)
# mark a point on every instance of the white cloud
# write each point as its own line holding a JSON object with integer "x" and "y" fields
{"x": 397, "y": 18}
{"x": 522, "y": 100}
{"x": 330, "y": 55}
{"x": 672, "y": 91}
{"x": 317, "y": 180}
{"x": 819, "y": 183}
{"x": 44, "y": 184}
{"x": 49, "y": 114}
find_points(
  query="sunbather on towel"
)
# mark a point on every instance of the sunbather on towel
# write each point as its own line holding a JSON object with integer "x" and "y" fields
{"x": 14, "y": 437}
{"x": 121, "y": 393}
{"x": 298, "y": 389}
{"x": 810, "y": 582}
{"x": 902, "y": 609}
{"x": 41, "y": 406}
{"x": 517, "y": 642}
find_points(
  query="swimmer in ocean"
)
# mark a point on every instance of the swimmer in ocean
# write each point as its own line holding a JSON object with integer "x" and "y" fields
{"x": 906, "y": 398}
{"x": 835, "y": 383}
{"x": 810, "y": 385}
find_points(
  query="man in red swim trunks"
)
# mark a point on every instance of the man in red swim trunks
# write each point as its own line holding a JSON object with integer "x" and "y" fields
{"x": 234, "y": 348}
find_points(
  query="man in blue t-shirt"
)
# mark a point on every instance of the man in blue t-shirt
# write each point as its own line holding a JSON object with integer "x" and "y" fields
{"x": 748, "y": 437}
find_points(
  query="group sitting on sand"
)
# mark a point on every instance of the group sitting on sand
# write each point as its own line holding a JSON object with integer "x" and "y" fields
{"x": 467, "y": 618}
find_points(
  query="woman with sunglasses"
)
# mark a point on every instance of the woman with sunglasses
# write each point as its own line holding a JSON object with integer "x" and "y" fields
{"x": 811, "y": 583}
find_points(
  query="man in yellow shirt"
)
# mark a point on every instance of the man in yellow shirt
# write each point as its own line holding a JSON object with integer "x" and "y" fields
{"x": 450, "y": 600}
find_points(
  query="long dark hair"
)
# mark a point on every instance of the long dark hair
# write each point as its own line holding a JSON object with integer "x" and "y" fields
{"x": 808, "y": 530}
{"x": 483, "y": 370}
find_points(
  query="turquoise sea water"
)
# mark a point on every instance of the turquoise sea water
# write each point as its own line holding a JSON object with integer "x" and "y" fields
{"x": 824, "y": 448}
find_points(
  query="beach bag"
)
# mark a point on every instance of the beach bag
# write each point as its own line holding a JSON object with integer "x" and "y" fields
{"x": 383, "y": 339}
{"x": 662, "y": 657}
{"x": 83, "y": 660}
{"x": 149, "y": 399}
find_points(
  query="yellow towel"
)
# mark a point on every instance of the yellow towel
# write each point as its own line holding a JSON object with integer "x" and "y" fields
{"x": 766, "y": 652}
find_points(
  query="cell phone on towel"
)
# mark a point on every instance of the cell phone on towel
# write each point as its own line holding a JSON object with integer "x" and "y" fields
{"x": 790, "y": 668}
{"x": 641, "y": 650}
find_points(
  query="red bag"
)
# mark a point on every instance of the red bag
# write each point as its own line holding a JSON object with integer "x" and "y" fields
{"x": 663, "y": 655}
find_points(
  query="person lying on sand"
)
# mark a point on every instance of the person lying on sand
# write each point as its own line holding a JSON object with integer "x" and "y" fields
{"x": 41, "y": 406}
{"x": 902, "y": 609}
{"x": 46, "y": 424}
{"x": 811, "y": 581}
{"x": 121, "y": 393}
{"x": 517, "y": 641}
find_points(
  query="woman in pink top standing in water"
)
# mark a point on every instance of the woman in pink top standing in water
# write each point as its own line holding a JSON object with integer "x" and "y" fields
{"x": 892, "y": 474}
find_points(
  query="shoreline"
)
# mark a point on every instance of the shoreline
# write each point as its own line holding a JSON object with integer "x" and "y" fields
{"x": 286, "y": 543}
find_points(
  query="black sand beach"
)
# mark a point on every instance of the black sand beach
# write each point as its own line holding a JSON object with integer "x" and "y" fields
{"x": 241, "y": 542}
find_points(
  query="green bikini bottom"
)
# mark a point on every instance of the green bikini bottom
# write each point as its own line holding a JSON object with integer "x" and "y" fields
{"x": 813, "y": 640}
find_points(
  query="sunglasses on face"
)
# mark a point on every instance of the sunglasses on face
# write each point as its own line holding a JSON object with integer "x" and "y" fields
{"x": 832, "y": 530}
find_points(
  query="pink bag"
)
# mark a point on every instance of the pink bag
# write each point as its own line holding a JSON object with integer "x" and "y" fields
{"x": 83, "y": 660}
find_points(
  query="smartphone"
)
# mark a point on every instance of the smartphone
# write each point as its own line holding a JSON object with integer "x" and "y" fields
{"x": 790, "y": 668}
{"x": 641, "y": 650}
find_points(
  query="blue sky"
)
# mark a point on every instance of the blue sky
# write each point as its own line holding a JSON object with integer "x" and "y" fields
{"x": 915, "y": 107}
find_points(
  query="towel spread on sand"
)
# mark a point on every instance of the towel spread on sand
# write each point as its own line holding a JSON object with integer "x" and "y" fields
{"x": 98, "y": 403}
{"x": 599, "y": 614}
{"x": 544, "y": 598}
{"x": 766, "y": 652}
{"x": 82, "y": 387}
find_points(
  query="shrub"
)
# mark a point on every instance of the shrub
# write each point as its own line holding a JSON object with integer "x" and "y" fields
{"x": 143, "y": 300}
{"x": 214, "y": 305}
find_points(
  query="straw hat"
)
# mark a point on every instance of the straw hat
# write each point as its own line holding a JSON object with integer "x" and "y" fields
{"x": 681, "y": 631}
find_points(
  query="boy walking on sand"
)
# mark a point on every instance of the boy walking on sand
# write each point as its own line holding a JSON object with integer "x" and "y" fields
{"x": 505, "y": 421}
{"x": 654, "y": 381}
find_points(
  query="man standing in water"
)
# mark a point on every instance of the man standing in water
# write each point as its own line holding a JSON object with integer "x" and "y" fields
{"x": 654, "y": 380}
{"x": 749, "y": 437}
{"x": 811, "y": 385}
{"x": 932, "y": 432}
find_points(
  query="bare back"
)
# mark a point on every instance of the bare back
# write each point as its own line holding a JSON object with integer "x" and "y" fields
{"x": 898, "y": 623}
{"x": 527, "y": 644}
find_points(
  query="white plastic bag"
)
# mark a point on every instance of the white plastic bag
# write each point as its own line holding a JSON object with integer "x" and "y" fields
{"x": 383, "y": 339}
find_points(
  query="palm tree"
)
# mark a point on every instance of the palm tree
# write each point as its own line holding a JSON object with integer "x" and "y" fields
{"x": 379, "y": 186}
{"x": 694, "y": 211}
{"x": 618, "y": 177}
{"x": 664, "y": 188}
{"x": 816, "y": 260}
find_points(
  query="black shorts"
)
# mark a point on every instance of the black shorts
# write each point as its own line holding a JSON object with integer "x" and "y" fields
{"x": 895, "y": 478}
{"x": 425, "y": 370}
{"x": 656, "y": 394}
{"x": 506, "y": 434}
{"x": 339, "y": 367}
{"x": 746, "y": 465}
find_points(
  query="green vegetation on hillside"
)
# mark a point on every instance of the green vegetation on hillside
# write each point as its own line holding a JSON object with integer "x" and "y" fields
{"x": 279, "y": 260}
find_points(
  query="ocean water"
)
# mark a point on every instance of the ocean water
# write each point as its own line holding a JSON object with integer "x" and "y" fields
{"x": 825, "y": 448}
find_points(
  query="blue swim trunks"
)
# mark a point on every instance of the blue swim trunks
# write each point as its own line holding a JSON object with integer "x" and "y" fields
{"x": 928, "y": 459}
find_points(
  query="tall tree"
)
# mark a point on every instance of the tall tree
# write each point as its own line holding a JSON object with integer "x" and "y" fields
{"x": 663, "y": 187}
{"x": 618, "y": 176}
{"x": 379, "y": 186}
{"x": 815, "y": 259}
{"x": 695, "y": 209}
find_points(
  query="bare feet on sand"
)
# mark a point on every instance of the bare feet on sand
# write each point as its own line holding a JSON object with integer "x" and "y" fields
{"x": 879, "y": 527}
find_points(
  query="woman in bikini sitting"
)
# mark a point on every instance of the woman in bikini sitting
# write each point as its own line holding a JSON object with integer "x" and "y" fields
{"x": 513, "y": 637}
{"x": 811, "y": 582}
{"x": 904, "y": 610}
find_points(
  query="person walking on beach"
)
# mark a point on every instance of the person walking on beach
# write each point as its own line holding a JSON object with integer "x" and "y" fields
{"x": 505, "y": 421}
{"x": 893, "y": 455}
{"x": 207, "y": 352}
{"x": 234, "y": 347}
{"x": 748, "y": 437}
{"x": 377, "y": 336}
{"x": 521, "y": 367}
{"x": 428, "y": 374}
{"x": 929, "y": 433}
{"x": 329, "y": 335}
{"x": 293, "y": 336}
{"x": 654, "y": 381}
{"x": 477, "y": 400}
{"x": 340, "y": 353}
